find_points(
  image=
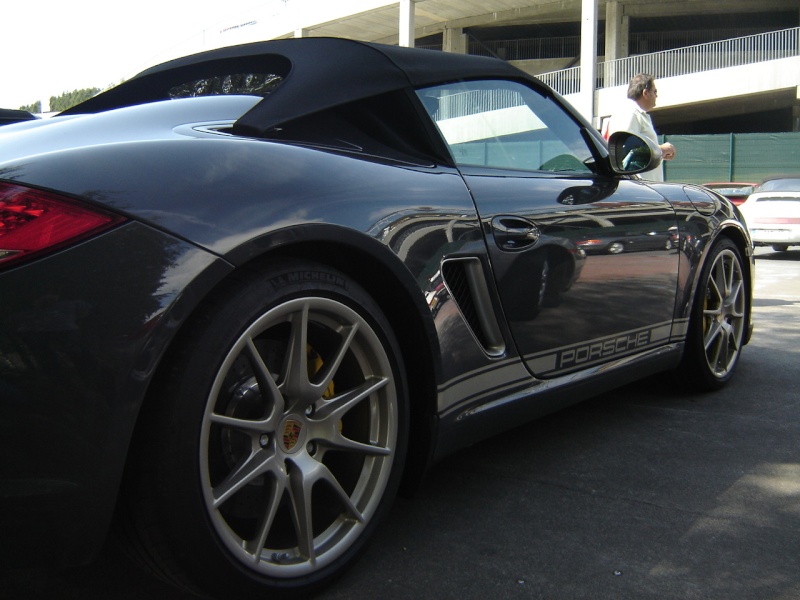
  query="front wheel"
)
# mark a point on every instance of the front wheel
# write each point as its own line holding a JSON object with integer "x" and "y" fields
{"x": 276, "y": 439}
{"x": 718, "y": 321}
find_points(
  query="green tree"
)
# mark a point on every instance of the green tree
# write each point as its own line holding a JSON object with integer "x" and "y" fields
{"x": 36, "y": 107}
{"x": 70, "y": 99}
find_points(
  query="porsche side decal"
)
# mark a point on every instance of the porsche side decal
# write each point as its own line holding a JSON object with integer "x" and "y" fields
{"x": 586, "y": 354}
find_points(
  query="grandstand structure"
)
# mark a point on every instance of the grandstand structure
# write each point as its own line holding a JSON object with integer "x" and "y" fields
{"x": 731, "y": 66}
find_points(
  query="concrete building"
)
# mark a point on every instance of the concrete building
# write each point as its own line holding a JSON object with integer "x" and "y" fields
{"x": 728, "y": 66}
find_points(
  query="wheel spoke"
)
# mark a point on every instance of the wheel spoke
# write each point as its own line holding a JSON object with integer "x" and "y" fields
{"x": 335, "y": 408}
{"x": 340, "y": 442}
{"x": 332, "y": 365}
{"x": 731, "y": 336}
{"x": 304, "y": 473}
{"x": 297, "y": 379}
{"x": 712, "y": 334}
{"x": 255, "y": 546}
{"x": 266, "y": 382}
{"x": 295, "y": 370}
{"x": 300, "y": 494}
{"x": 255, "y": 465}
{"x": 245, "y": 425}
{"x": 732, "y": 275}
{"x": 717, "y": 349}
{"x": 714, "y": 288}
{"x": 736, "y": 296}
{"x": 327, "y": 418}
{"x": 724, "y": 349}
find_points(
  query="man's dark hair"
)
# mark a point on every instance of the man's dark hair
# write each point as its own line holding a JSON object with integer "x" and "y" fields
{"x": 640, "y": 83}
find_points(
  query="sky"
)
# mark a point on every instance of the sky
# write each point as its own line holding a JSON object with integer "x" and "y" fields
{"x": 49, "y": 47}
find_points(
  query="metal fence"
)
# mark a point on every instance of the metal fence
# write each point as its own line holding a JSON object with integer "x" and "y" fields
{"x": 746, "y": 157}
{"x": 681, "y": 61}
{"x": 476, "y": 101}
{"x": 565, "y": 81}
{"x": 570, "y": 46}
{"x": 529, "y": 48}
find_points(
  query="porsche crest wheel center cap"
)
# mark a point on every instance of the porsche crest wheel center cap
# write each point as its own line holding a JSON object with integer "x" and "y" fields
{"x": 292, "y": 432}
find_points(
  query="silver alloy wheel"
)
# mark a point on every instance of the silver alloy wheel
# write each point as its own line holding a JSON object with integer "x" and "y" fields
{"x": 615, "y": 247}
{"x": 724, "y": 313}
{"x": 298, "y": 437}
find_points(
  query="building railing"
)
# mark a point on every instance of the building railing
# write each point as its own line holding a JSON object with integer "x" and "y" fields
{"x": 657, "y": 41}
{"x": 564, "y": 81}
{"x": 523, "y": 49}
{"x": 681, "y": 61}
{"x": 570, "y": 46}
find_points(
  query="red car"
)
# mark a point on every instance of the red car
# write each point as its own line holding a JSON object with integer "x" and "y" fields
{"x": 736, "y": 192}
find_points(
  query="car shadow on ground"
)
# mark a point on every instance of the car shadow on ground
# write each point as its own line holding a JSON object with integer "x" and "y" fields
{"x": 768, "y": 254}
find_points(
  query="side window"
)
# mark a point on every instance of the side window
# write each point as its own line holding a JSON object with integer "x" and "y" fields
{"x": 506, "y": 125}
{"x": 254, "y": 84}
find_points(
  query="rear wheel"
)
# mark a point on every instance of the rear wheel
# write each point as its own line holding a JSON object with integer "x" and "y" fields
{"x": 615, "y": 247}
{"x": 277, "y": 439}
{"x": 718, "y": 322}
{"x": 780, "y": 247}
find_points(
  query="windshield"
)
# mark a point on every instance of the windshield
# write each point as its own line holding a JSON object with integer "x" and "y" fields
{"x": 789, "y": 184}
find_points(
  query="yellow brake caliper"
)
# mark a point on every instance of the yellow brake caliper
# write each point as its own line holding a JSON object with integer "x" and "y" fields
{"x": 315, "y": 363}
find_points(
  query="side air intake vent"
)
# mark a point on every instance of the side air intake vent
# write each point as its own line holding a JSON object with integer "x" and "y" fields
{"x": 465, "y": 280}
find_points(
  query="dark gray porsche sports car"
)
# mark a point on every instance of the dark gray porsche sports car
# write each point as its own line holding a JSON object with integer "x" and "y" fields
{"x": 249, "y": 295}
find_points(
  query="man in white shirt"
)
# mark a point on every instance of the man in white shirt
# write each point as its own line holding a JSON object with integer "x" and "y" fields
{"x": 633, "y": 117}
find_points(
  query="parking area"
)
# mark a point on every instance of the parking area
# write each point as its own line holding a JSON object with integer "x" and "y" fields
{"x": 641, "y": 493}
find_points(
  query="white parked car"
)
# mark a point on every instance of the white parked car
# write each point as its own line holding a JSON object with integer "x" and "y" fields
{"x": 772, "y": 213}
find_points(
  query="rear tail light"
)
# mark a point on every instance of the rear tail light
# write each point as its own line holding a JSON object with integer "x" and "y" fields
{"x": 33, "y": 222}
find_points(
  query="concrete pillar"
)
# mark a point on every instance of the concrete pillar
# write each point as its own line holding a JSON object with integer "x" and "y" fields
{"x": 617, "y": 31}
{"x": 796, "y": 111}
{"x": 616, "y": 46}
{"x": 407, "y": 23}
{"x": 588, "y": 58}
{"x": 454, "y": 40}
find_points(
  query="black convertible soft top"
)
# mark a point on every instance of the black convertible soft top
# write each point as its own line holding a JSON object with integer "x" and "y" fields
{"x": 8, "y": 115}
{"x": 317, "y": 73}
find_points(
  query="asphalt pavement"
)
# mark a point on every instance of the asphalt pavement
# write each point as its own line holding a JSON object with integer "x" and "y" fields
{"x": 642, "y": 493}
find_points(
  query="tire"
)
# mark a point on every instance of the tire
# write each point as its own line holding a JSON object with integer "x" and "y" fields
{"x": 780, "y": 247}
{"x": 718, "y": 322}
{"x": 276, "y": 439}
{"x": 615, "y": 248}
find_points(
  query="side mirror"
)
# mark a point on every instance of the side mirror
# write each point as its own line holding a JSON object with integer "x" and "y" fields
{"x": 630, "y": 154}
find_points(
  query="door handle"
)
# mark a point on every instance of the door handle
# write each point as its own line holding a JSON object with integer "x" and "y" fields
{"x": 514, "y": 233}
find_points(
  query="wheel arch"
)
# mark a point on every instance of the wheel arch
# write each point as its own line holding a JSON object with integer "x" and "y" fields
{"x": 731, "y": 231}
{"x": 735, "y": 233}
{"x": 382, "y": 274}
{"x": 386, "y": 279}
{"x": 711, "y": 352}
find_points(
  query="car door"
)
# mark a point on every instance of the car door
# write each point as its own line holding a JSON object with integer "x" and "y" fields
{"x": 585, "y": 263}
